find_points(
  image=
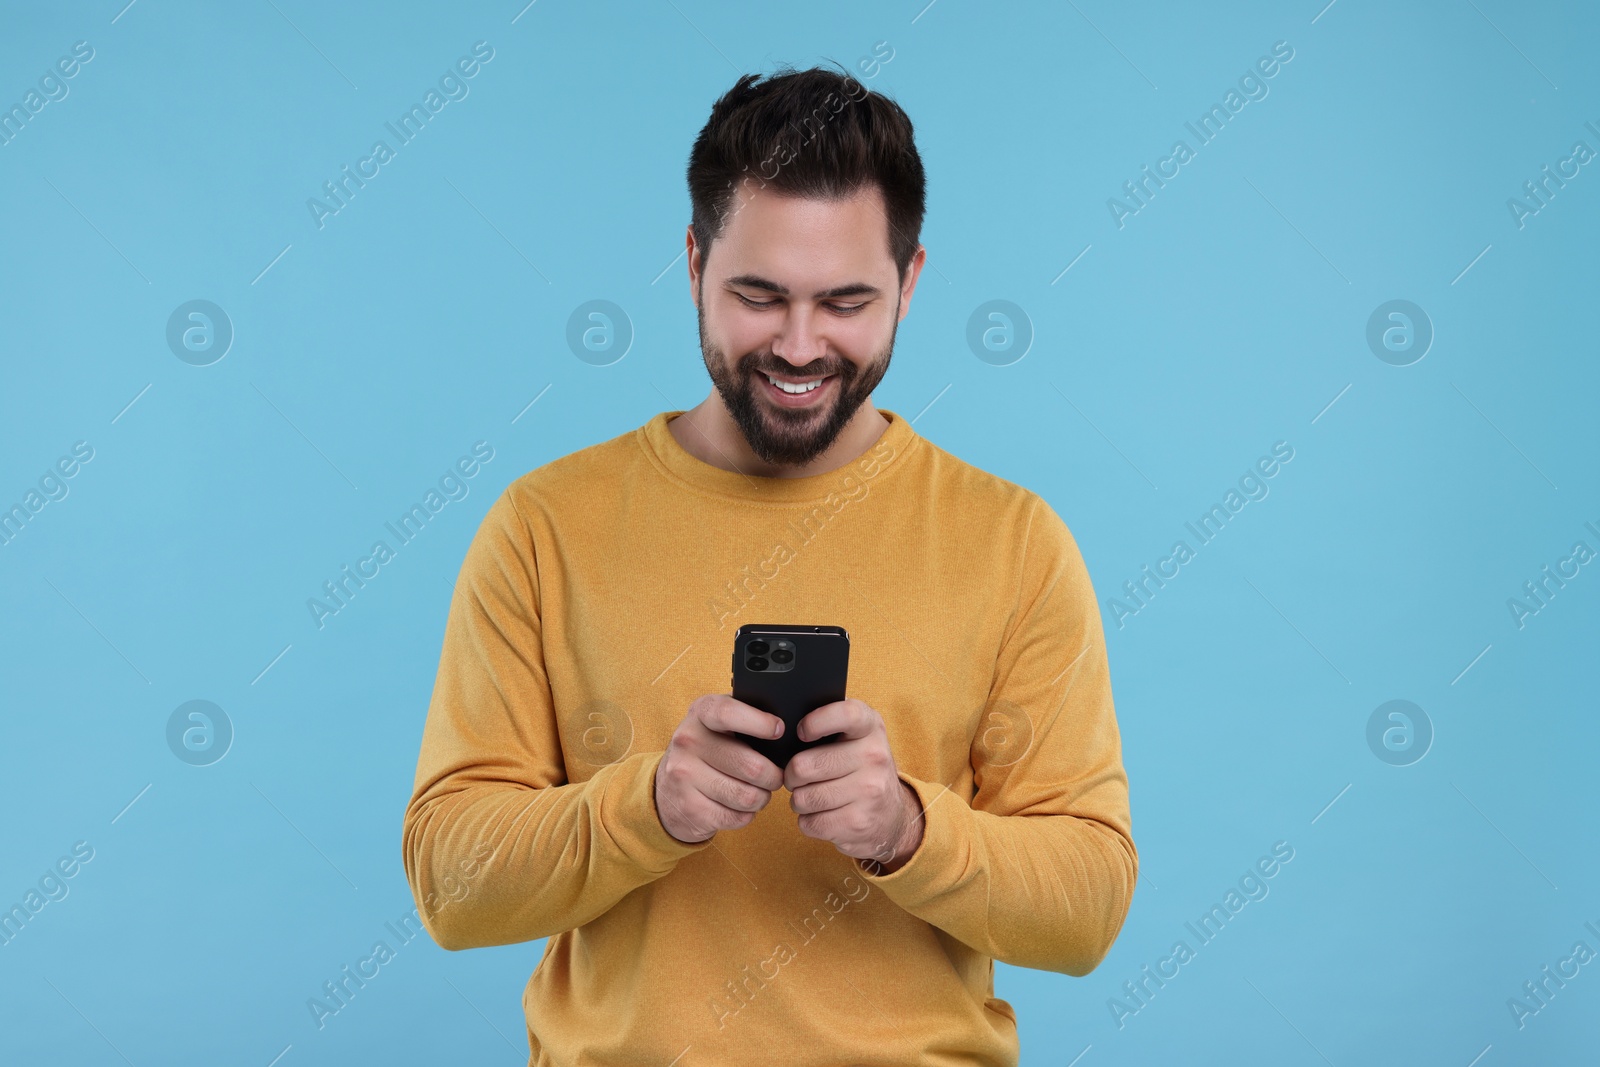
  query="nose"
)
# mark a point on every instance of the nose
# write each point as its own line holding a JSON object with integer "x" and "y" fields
{"x": 799, "y": 342}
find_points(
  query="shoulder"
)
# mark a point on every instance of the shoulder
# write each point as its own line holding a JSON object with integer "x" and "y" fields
{"x": 567, "y": 484}
{"x": 956, "y": 483}
{"x": 991, "y": 514}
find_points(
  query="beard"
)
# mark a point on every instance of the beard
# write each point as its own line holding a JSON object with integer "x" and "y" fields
{"x": 788, "y": 436}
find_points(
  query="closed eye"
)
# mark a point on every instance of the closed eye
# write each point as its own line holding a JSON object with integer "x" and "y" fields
{"x": 838, "y": 309}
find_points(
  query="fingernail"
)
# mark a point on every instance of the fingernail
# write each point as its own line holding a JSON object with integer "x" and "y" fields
{"x": 777, "y": 728}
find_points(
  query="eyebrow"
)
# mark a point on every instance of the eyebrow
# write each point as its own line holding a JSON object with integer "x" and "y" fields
{"x": 755, "y": 281}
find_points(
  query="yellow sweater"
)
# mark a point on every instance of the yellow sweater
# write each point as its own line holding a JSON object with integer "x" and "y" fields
{"x": 599, "y": 598}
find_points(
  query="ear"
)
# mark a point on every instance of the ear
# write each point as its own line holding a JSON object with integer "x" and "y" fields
{"x": 913, "y": 272}
{"x": 694, "y": 265}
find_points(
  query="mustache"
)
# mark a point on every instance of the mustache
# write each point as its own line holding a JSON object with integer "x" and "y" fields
{"x": 760, "y": 365}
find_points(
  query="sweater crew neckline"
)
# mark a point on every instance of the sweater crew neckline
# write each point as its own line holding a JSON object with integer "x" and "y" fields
{"x": 677, "y": 463}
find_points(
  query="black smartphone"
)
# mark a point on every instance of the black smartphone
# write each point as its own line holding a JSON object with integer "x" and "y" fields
{"x": 789, "y": 671}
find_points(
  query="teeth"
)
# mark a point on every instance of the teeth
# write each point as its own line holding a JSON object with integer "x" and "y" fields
{"x": 788, "y": 388}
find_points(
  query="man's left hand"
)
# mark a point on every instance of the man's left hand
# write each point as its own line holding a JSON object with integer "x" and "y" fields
{"x": 849, "y": 791}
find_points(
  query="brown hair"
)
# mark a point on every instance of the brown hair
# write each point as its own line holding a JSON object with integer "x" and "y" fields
{"x": 812, "y": 133}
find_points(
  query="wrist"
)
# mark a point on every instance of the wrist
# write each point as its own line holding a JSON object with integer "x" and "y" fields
{"x": 912, "y": 837}
{"x": 910, "y": 833}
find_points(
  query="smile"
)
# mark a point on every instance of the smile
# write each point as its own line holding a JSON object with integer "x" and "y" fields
{"x": 796, "y": 387}
{"x": 797, "y": 394}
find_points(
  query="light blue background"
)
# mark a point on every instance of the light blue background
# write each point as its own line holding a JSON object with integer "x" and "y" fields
{"x": 1228, "y": 314}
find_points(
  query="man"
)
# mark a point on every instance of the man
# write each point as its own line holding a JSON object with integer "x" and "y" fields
{"x": 975, "y": 807}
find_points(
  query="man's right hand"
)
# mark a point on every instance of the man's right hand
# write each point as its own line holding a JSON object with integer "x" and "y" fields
{"x": 709, "y": 780}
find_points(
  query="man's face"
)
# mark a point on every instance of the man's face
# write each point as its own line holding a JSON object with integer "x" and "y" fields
{"x": 805, "y": 291}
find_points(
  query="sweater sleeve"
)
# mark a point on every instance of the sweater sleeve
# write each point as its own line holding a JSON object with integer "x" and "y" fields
{"x": 498, "y": 846}
{"x": 1038, "y": 870}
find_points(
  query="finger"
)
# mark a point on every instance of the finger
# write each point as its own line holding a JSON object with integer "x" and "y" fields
{"x": 679, "y": 821}
{"x": 722, "y": 714}
{"x": 728, "y": 792}
{"x": 845, "y": 827}
{"x": 821, "y": 763}
{"x": 708, "y": 818}
{"x": 741, "y": 762}
{"x": 688, "y": 814}
{"x": 852, "y": 718}
{"x": 819, "y": 797}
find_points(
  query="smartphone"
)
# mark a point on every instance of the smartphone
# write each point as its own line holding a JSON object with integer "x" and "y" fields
{"x": 789, "y": 671}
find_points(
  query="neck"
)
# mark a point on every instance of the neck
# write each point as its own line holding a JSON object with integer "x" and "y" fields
{"x": 708, "y": 433}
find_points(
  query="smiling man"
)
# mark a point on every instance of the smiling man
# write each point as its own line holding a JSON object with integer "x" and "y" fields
{"x": 974, "y": 807}
{"x": 795, "y": 363}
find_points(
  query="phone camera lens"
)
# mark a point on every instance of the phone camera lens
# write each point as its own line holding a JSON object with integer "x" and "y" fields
{"x": 782, "y": 655}
{"x": 757, "y": 648}
{"x": 757, "y": 663}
